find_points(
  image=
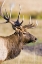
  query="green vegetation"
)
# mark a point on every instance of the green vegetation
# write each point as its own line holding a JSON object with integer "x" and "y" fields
{"x": 0, "y": 17}
{"x": 34, "y": 15}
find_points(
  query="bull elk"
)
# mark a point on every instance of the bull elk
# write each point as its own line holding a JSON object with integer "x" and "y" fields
{"x": 12, "y": 43}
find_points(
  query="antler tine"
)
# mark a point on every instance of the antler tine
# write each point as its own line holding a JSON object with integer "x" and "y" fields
{"x": 6, "y": 16}
{"x": 2, "y": 3}
{"x": 30, "y": 20}
{"x": 20, "y": 7}
{"x": 11, "y": 8}
{"x": 6, "y": 13}
{"x": 23, "y": 18}
{"x": 19, "y": 12}
{"x": 36, "y": 22}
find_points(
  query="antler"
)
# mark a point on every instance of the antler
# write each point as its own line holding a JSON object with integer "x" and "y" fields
{"x": 31, "y": 24}
{"x": 1, "y": 5}
{"x": 6, "y": 17}
{"x": 36, "y": 23}
{"x": 17, "y": 23}
{"x": 11, "y": 8}
{"x": 30, "y": 20}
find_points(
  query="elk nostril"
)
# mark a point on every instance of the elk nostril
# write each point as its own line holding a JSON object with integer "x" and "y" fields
{"x": 35, "y": 38}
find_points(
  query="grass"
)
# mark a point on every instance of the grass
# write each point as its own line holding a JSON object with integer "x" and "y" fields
{"x": 25, "y": 58}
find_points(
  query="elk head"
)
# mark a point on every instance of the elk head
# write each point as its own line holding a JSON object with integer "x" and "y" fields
{"x": 27, "y": 37}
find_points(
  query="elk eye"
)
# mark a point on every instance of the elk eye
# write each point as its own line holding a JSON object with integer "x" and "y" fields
{"x": 24, "y": 32}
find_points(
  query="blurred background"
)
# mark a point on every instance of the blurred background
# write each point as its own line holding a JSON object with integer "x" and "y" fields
{"x": 27, "y": 5}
